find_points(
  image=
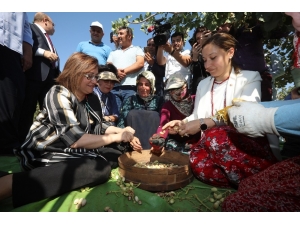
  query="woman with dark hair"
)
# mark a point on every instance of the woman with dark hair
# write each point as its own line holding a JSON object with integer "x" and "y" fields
{"x": 65, "y": 147}
{"x": 197, "y": 66}
{"x": 223, "y": 157}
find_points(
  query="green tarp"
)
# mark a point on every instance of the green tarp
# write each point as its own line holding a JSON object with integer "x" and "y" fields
{"x": 194, "y": 197}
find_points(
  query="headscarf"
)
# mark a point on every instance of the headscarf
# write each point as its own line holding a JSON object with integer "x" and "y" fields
{"x": 175, "y": 83}
{"x": 151, "y": 78}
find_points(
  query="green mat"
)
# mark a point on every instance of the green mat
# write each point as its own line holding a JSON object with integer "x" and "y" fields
{"x": 194, "y": 197}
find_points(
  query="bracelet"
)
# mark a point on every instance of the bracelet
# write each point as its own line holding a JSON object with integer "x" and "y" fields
{"x": 172, "y": 52}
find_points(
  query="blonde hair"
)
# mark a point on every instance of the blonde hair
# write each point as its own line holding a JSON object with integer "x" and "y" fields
{"x": 76, "y": 66}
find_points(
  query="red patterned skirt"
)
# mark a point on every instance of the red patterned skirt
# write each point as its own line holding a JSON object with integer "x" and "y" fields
{"x": 275, "y": 189}
{"x": 223, "y": 157}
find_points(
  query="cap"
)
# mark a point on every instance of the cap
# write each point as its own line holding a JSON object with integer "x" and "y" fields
{"x": 96, "y": 24}
{"x": 176, "y": 80}
{"x": 106, "y": 75}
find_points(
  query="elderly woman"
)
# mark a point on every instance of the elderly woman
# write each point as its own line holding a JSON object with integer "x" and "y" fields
{"x": 106, "y": 82}
{"x": 142, "y": 111}
{"x": 179, "y": 106}
{"x": 223, "y": 157}
{"x": 67, "y": 139}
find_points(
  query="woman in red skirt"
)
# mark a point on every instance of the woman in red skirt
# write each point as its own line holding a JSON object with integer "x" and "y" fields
{"x": 223, "y": 157}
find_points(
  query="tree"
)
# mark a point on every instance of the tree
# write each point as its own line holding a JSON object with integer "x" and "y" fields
{"x": 274, "y": 24}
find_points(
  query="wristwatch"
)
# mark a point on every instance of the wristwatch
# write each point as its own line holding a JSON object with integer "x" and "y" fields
{"x": 203, "y": 126}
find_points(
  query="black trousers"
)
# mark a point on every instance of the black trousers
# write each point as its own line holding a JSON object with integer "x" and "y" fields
{"x": 145, "y": 124}
{"x": 12, "y": 92}
{"x": 35, "y": 92}
{"x": 57, "y": 179}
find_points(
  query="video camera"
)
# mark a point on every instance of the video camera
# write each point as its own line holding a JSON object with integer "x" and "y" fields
{"x": 161, "y": 32}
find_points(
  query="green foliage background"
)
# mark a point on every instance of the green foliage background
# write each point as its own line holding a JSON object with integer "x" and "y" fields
{"x": 274, "y": 24}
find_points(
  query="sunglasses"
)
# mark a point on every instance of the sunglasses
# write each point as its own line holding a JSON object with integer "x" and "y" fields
{"x": 153, "y": 45}
{"x": 92, "y": 77}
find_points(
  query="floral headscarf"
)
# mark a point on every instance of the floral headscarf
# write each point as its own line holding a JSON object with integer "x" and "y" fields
{"x": 151, "y": 78}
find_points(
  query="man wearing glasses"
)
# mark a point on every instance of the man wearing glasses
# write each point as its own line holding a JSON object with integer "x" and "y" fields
{"x": 95, "y": 47}
{"x": 45, "y": 68}
{"x": 152, "y": 65}
{"x": 129, "y": 61}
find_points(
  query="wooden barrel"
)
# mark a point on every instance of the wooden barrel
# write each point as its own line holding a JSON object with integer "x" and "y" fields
{"x": 158, "y": 179}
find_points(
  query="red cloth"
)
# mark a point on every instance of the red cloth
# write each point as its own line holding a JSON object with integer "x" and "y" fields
{"x": 168, "y": 113}
{"x": 275, "y": 189}
{"x": 223, "y": 157}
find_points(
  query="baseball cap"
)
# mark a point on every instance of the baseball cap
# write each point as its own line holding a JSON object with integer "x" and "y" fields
{"x": 106, "y": 75}
{"x": 96, "y": 24}
{"x": 176, "y": 80}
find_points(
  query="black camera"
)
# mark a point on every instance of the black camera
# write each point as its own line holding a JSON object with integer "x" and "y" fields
{"x": 161, "y": 32}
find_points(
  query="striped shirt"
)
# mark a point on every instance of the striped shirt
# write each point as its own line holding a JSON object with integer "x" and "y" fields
{"x": 62, "y": 122}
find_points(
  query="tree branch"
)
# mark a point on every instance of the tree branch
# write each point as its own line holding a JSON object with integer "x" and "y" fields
{"x": 149, "y": 17}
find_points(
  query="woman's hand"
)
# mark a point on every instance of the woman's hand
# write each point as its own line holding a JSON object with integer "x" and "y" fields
{"x": 172, "y": 126}
{"x": 129, "y": 129}
{"x": 125, "y": 136}
{"x": 189, "y": 128}
{"x": 193, "y": 127}
{"x": 136, "y": 144}
{"x": 196, "y": 51}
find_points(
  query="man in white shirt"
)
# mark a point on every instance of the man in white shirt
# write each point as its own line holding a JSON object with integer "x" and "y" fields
{"x": 129, "y": 61}
{"x": 178, "y": 60}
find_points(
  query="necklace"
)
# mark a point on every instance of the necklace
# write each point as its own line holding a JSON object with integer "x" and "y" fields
{"x": 212, "y": 95}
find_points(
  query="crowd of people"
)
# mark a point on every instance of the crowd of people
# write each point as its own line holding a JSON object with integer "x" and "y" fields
{"x": 211, "y": 102}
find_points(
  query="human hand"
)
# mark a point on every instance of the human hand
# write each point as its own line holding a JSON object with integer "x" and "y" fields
{"x": 172, "y": 126}
{"x": 196, "y": 51}
{"x": 136, "y": 144}
{"x": 27, "y": 56}
{"x": 168, "y": 47}
{"x": 189, "y": 128}
{"x": 129, "y": 129}
{"x": 252, "y": 119}
{"x": 121, "y": 74}
{"x": 125, "y": 136}
{"x": 149, "y": 58}
{"x": 51, "y": 56}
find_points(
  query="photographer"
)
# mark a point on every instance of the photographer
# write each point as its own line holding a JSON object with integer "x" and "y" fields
{"x": 151, "y": 65}
{"x": 178, "y": 60}
{"x": 197, "y": 65}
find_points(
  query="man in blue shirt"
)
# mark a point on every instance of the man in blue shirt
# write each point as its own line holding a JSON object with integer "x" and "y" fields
{"x": 95, "y": 46}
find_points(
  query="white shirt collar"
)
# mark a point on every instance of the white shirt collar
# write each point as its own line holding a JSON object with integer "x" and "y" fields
{"x": 42, "y": 29}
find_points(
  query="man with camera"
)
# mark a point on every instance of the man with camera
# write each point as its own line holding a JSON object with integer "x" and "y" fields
{"x": 152, "y": 65}
{"x": 178, "y": 60}
{"x": 95, "y": 46}
{"x": 129, "y": 61}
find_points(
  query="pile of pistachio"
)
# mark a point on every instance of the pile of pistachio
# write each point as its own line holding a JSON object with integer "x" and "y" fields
{"x": 154, "y": 165}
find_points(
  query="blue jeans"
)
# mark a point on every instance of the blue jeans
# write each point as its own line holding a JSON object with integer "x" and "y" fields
{"x": 122, "y": 93}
